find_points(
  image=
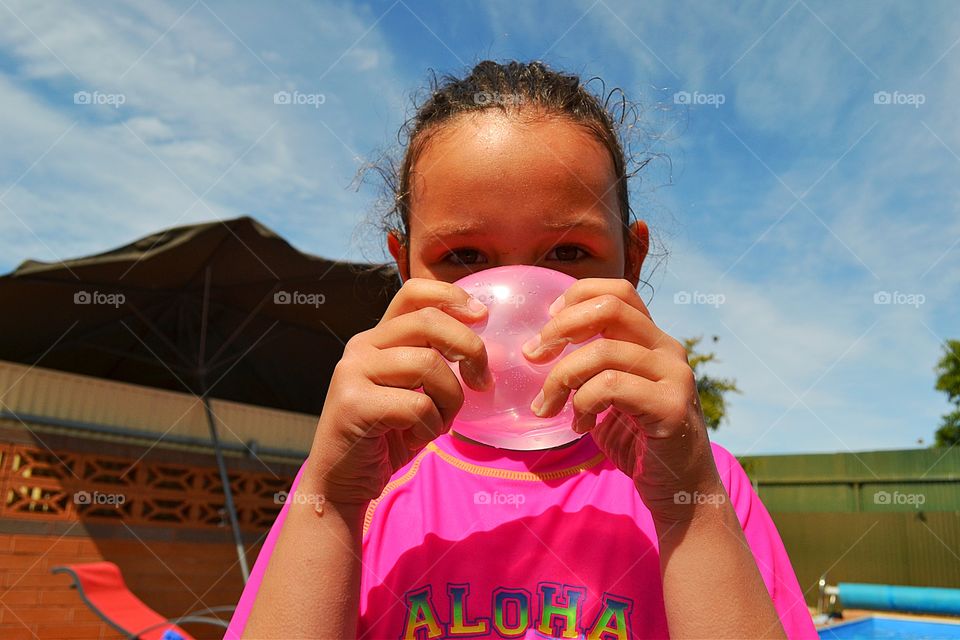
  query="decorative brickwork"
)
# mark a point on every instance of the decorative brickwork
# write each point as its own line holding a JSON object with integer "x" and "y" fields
{"x": 40, "y": 484}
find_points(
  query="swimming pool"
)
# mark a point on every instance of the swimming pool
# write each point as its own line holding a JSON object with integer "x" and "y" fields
{"x": 877, "y": 627}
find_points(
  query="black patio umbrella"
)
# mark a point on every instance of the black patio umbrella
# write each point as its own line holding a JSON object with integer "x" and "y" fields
{"x": 223, "y": 309}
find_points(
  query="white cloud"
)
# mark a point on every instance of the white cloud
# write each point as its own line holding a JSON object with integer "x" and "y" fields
{"x": 200, "y": 94}
{"x": 802, "y": 291}
{"x": 197, "y": 114}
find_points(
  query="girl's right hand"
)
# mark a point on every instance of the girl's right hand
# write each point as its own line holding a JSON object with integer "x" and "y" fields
{"x": 373, "y": 420}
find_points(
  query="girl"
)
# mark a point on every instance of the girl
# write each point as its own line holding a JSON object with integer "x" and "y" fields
{"x": 398, "y": 527}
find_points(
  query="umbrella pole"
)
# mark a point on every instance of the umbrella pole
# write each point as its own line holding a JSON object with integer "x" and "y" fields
{"x": 211, "y": 423}
{"x": 227, "y": 491}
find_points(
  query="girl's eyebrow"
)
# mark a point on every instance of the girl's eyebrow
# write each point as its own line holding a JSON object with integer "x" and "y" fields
{"x": 585, "y": 223}
{"x": 461, "y": 228}
{"x": 450, "y": 229}
{"x": 457, "y": 229}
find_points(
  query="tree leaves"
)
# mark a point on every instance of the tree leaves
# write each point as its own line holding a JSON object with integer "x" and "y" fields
{"x": 712, "y": 390}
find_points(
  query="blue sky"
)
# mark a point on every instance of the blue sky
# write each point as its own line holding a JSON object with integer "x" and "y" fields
{"x": 816, "y": 167}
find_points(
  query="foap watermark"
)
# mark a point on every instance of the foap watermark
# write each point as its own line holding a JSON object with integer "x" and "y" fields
{"x": 697, "y": 497}
{"x": 898, "y": 498}
{"x": 899, "y": 297}
{"x": 296, "y": 297}
{"x": 114, "y": 100}
{"x": 283, "y": 497}
{"x": 498, "y": 498}
{"x": 698, "y": 297}
{"x": 896, "y": 98}
{"x": 98, "y": 498}
{"x": 513, "y": 299}
{"x": 486, "y": 98}
{"x": 99, "y": 297}
{"x": 297, "y": 98}
{"x": 698, "y": 99}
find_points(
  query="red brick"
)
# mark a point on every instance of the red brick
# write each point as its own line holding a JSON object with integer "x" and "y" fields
{"x": 17, "y": 632}
{"x": 18, "y": 596}
{"x": 84, "y": 615}
{"x": 59, "y": 596}
{"x": 37, "y": 615}
{"x": 87, "y": 546}
{"x": 72, "y": 631}
{"x": 35, "y": 579}
{"x": 45, "y": 544}
{"x": 20, "y": 563}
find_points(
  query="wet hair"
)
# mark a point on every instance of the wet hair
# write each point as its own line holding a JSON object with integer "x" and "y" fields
{"x": 528, "y": 90}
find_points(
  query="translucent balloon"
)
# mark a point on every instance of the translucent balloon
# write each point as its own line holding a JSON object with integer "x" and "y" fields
{"x": 518, "y": 298}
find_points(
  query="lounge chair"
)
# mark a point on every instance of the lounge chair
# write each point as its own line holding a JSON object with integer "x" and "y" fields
{"x": 102, "y": 588}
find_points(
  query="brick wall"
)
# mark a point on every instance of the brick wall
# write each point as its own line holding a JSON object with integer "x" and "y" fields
{"x": 168, "y": 538}
{"x": 171, "y": 577}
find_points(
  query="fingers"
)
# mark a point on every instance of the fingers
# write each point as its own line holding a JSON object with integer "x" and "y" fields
{"x": 587, "y": 288}
{"x": 392, "y": 408}
{"x": 415, "y": 367}
{"x": 606, "y": 315}
{"x": 419, "y": 293}
{"x": 431, "y": 327}
{"x": 620, "y": 440}
{"x": 634, "y": 395}
{"x": 576, "y": 368}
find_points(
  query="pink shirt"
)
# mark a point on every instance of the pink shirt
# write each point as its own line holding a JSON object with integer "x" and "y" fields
{"x": 470, "y": 541}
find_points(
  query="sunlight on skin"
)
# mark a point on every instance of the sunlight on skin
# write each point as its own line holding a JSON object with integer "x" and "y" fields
{"x": 491, "y": 190}
{"x": 503, "y": 191}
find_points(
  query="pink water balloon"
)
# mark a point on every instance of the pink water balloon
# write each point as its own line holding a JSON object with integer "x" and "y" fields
{"x": 518, "y": 298}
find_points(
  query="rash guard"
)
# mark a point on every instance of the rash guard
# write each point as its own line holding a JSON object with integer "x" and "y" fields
{"x": 468, "y": 541}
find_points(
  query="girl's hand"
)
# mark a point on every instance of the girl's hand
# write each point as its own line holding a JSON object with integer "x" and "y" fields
{"x": 373, "y": 421}
{"x": 655, "y": 433}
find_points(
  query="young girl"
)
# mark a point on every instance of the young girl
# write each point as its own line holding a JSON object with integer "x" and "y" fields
{"x": 398, "y": 527}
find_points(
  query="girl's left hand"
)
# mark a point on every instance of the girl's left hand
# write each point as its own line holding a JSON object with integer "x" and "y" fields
{"x": 655, "y": 432}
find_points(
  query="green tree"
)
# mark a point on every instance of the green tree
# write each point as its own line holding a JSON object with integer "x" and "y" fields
{"x": 712, "y": 390}
{"x": 948, "y": 381}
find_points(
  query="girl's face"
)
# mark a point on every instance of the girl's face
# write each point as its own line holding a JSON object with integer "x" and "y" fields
{"x": 490, "y": 190}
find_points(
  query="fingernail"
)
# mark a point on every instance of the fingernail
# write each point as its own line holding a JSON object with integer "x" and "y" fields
{"x": 556, "y": 305}
{"x": 537, "y": 403}
{"x": 531, "y": 345}
{"x": 475, "y": 305}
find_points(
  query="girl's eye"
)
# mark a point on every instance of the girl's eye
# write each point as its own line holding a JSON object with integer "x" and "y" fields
{"x": 567, "y": 253}
{"x": 465, "y": 257}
